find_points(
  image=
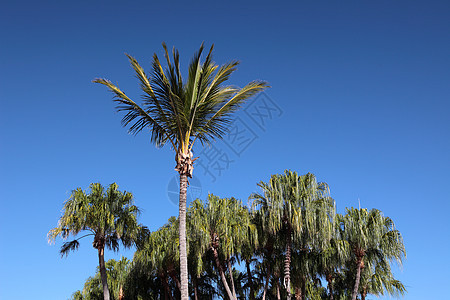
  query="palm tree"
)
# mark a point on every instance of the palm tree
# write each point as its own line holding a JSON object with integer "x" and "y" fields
{"x": 296, "y": 207}
{"x": 222, "y": 224}
{"x": 93, "y": 288}
{"x": 370, "y": 236}
{"x": 377, "y": 278}
{"x": 181, "y": 113}
{"x": 331, "y": 259}
{"x": 160, "y": 254}
{"x": 117, "y": 272}
{"x": 78, "y": 295}
{"x": 248, "y": 251}
{"x": 118, "y": 275}
{"x": 108, "y": 215}
{"x": 265, "y": 251}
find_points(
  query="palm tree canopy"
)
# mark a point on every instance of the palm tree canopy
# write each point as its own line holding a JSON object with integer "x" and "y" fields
{"x": 370, "y": 233}
{"x": 222, "y": 222}
{"x": 161, "y": 247}
{"x": 108, "y": 214}
{"x": 377, "y": 279}
{"x": 183, "y": 111}
{"x": 299, "y": 202}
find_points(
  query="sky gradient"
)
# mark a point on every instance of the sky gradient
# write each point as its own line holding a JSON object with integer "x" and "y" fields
{"x": 360, "y": 97}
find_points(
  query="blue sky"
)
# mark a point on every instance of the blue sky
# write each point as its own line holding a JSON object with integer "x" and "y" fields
{"x": 361, "y": 97}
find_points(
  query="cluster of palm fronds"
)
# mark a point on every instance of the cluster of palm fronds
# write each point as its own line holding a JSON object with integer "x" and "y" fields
{"x": 288, "y": 243}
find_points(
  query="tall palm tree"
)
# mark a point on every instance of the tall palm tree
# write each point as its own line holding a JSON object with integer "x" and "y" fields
{"x": 370, "y": 236}
{"x": 297, "y": 207}
{"x": 182, "y": 112}
{"x": 108, "y": 215}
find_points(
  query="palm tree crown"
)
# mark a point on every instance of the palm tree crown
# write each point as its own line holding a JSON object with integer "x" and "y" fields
{"x": 107, "y": 214}
{"x": 298, "y": 207}
{"x": 372, "y": 237}
{"x": 182, "y": 112}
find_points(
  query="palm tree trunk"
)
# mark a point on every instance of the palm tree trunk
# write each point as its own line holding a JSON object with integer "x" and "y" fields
{"x": 303, "y": 288}
{"x": 231, "y": 278}
{"x": 182, "y": 236}
{"x": 249, "y": 279}
{"x": 329, "y": 278}
{"x": 167, "y": 292}
{"x": 194, "y": 279}
{"x": 278, "y": 290}
{"x": 121, "y": 294}
{"x": 175, "y": 279}
{"x": 287, "y": 266}
{"x": 222, "y": 274}
{"x": 298, "y": 294}
{"x": 266, "y": 285}
{"x": 363, "y": 295}
{"x": 101, "y": 262}
{"x": 359, "y": 264}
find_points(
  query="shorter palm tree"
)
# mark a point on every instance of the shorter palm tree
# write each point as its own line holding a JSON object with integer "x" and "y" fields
{"x": 331, "y": 259}
{"x": 221, "y": 226}
{"x": 118, "y": 277}
{"x": 106, "y": 214}
{"x": 377, "y": 279}
{"x": 297, "y": 208}
{"x": 371, "y": 237}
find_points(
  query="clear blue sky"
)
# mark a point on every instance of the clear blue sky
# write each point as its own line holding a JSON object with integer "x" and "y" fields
{"x": 362, "y": 94}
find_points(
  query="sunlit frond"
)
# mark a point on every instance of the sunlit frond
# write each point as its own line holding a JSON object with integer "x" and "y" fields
{"x": 182, "y": 112}
{"x": 106, "y": 213}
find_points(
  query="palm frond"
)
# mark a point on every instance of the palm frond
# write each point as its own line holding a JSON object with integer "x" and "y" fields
{"x": 217, "y": 113}
{"x": 69, "y": 246}
{"x": 135, "y": 115}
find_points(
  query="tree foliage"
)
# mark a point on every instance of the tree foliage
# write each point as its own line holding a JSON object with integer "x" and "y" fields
{"x": 236, "y": 252}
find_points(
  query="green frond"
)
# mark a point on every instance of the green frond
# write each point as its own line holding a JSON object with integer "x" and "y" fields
{"x": 69, "y": 246}
{"x": 106, "y": 213}
{"x": 137, "y": 117}
{"x": 182, "y": 112}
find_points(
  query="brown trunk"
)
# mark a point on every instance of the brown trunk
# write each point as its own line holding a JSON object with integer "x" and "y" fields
{"x": 364, "y": 293}
{"x": 278, "y": 290}
{"x": 266, "y": 286}
{"x": 330, "y": 284}
{"x": 230, "y": 269}
{"x": 298, "y": 294}
{"x": 303, "y": 288}
{"x": 101, "y": 262}
{"x": 287, "y": 266}
{"x": 121, "y": 294}
{"x": 194, "y": 279}
{"x": 359, "y": 266}
{"x": 167, "y": 292}
{"x": 250, "y": 280}
{"x": 174, "y": 278}
{"x": 363, "y": 296}
{"x": 222, "y": 274}
{"x": 182, "y": 236}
